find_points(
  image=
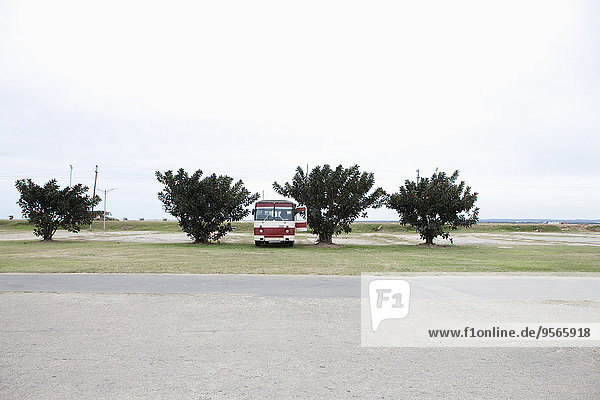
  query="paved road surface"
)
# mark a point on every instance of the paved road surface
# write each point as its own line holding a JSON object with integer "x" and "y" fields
{"x": 218, "y": 336}
{"x": 487, "y": 286}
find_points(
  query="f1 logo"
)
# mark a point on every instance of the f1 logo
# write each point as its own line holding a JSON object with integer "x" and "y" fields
{"x": 388, "y": 299}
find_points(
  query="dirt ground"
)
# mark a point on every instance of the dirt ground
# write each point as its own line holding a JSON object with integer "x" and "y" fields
{"x": 508, "y": 239}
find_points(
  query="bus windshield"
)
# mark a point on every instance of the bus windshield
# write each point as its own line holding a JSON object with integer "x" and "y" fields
{"x": 264, "y": 214}
{"x": 274, "y": 214}
{"x": 284, "y": 214}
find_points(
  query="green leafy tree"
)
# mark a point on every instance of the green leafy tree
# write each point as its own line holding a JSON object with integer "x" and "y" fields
{"x": 334, "y": 198}
{"x": 205, "y": 206}
{"x": 435, "y": 205}
{"x": 49, "y": 207}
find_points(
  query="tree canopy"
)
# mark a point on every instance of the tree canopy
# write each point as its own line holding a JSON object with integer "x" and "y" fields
{"x": 51, "y": 208}
{"x": 334, "y": 198}
{"x": 435, "y": 205}
{"x": 205, "y": 206}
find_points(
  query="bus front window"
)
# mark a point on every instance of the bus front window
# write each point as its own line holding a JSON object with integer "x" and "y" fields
{"x": 284, "y": 215}
{"x": 264, "y": 214}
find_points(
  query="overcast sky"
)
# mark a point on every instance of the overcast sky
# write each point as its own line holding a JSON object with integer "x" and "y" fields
{"x": 506, "y": 92}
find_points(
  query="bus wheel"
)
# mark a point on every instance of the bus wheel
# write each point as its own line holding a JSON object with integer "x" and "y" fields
{"x": 290, "y": 244}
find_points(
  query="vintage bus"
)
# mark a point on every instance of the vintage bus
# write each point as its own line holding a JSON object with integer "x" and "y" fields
{"x": 277, "y": 221}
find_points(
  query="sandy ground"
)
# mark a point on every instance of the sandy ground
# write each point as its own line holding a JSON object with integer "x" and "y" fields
{"x": 507, "y": 239}
{"x": 229, "y": 337}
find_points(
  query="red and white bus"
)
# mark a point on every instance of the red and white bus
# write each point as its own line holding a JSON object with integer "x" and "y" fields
{"x": 277, "y": 221}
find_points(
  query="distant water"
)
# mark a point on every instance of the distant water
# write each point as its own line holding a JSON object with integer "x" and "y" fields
{"x": 542, "y": 221}
{"x": 515, "y": 221}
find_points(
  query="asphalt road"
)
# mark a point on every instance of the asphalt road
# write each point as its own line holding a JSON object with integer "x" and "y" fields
{"x": 311, "y": 286}
{"x": 248, "y": 336}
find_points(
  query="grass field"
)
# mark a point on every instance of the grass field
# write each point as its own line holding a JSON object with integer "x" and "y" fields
{"x": 103, "y": 256}
{"x": 78, "y": 256}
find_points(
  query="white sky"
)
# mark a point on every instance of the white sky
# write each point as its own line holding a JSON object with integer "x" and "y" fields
{"x": 506, "y": 92}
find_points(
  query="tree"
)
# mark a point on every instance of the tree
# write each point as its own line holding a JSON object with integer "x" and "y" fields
{"x": 50, "y": 208}
{"x": 435, "y": 205}
{"x": 206, "y": 206}
{"x": 333, "y": 198}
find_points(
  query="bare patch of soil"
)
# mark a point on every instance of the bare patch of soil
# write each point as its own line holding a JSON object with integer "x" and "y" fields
{"x": 323, "y": 244}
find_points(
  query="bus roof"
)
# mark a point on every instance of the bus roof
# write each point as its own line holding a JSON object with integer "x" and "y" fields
{"x": 276, "y": 203}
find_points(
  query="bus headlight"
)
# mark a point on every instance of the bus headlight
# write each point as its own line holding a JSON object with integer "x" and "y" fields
{"x": 287, "y": 231}
{"x": 261, "y": 230}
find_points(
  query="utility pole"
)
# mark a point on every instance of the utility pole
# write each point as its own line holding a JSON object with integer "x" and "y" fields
{"x": 104, "y": 215}
{"x": 70, "y": 175}
{"x": 417, "y": 177}
{"x": 94, "y": 195}
{"x": 306, "y": 189}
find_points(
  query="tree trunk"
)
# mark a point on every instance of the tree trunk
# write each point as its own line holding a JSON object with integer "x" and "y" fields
{"x": 48, "y": 233}
{"x": 325, "y": 237}
{"x": 429, "y": 240}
